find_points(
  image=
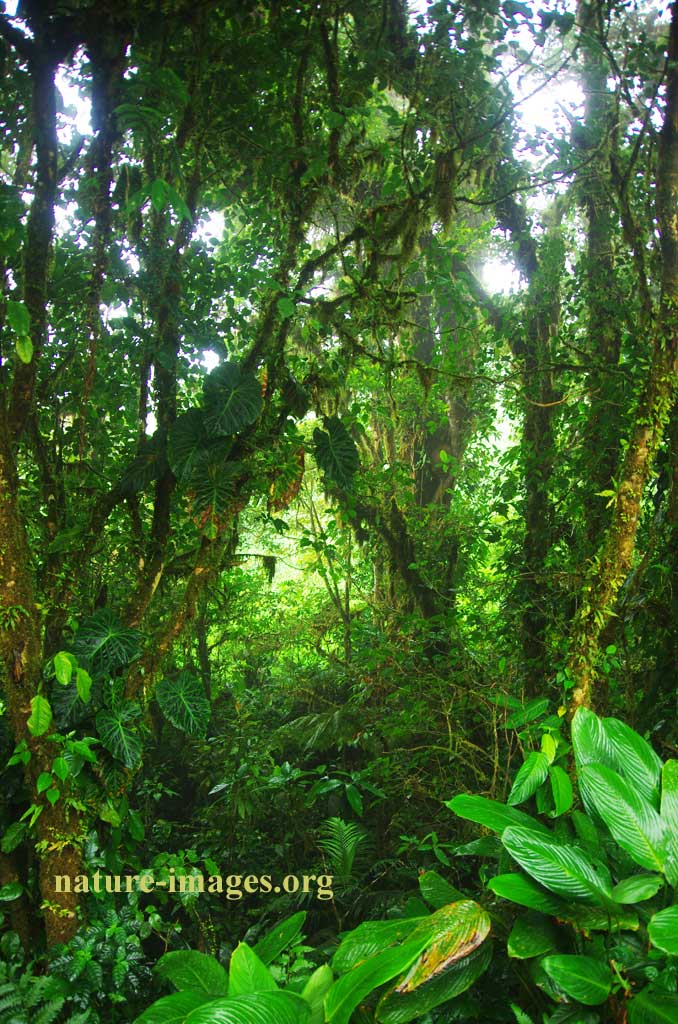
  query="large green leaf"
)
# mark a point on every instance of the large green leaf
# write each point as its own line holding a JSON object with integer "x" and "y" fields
{"x": 436, "y": 890}
{"x": 493, "y": 814}
{"x": 636, "y": 760}
{"x": 532, "y": 935}
{"x": 663, "y": 930}
{"x": 260, "y": 1008}
{"x": 581, "y": 977}
{"x": 370, "y": 938}
{"x": 212, "y": 487}
{"x": 631, "y": 819}
{"x": 399, "y": 1006}
{"x": 184, "y": 704}
{"x": 351, "y": 988}
{"x": 653, "y": 1008}
{"x": 275, "y": 941}
{"x": 116, "y": 735}
{"x": 68, "y": 706}
{"x": 564, "y": 870}
{"x": 189, "y": 969}
{"x": 526, "y": 893}
{"x": 247, "y": 973}
{"x": 531, "y": 774}
{"x": 105, "y": 643}
{"x": 637, "y": 888}
{"x": 232, "y": 400}
{"x": 448, "y": 937}
{"x": 173, "y": 1009}
{"x": 561, "y": 788}
{"x": 315, "y": 990}
{"x": 669, "y": 813}
{"x": 187, "y": 443}
{"x": 590, "y": 742}
{"x": 669, "y": 801}
{"x": 335, "y": 452}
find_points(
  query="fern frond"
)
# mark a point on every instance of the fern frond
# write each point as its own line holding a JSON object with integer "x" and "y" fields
{"x": 340, "y": 841}
{"x": 49, "y": 1012}
{"x": 520, "y": 1015}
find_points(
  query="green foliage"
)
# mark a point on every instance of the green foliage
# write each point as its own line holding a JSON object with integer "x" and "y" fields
{"x": 232, "y": 400}
{"x": 104, "y": 644}
{"x": 115, "y": 727}
{"x": 184, "y": 704}
{"x": 436, "y": 957}
{"x": 336, "y": 452}
{"x": 578, "y": 880}
{"x": 341, "y": 840}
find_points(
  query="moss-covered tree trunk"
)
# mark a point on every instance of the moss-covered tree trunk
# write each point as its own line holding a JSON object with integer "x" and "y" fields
{"x": 614, "y": 558}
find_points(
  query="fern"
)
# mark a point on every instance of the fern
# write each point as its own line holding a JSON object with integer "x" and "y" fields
{"x": 31, "y": 1000}
{"x": 340, "y": 841}
{"x": 520, "y": 1015}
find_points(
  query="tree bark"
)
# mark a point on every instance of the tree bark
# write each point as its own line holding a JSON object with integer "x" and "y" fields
{"x": 614, "y": 558}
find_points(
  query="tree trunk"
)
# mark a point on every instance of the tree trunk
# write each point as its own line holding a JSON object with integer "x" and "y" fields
{"x": 614, "y": 559}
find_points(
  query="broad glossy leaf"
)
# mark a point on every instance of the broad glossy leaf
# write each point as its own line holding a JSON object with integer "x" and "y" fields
{"x": 68, "y": 706}
{"x": 669, "y": 813}
{"x": 280, "y": 937}
{"x": 436, "y": 890}
{"x": 189, "y": 969}
{"x": 184, "y": 704}
{"x": 397, "y": 1007}
{"x": 669, "y": 801}
{"x": 636, "y": 760}
{"x": 653, "y": 1008}
{"x": 247, "y": 973}
{"x": 531, "y": 935}
{"x": 663, "y": 930}
{"x": 261, "y": 1008}
{"x": 531, "y": 774}
{"x": 582, "y": 978}
{"x": 336, "y": 452}
{"x": 453, "y": 933}
{"x": 633, "y": 821}
{"x": 173, "y": 1009}
{"x": 105, "y": 642}
{"x": 590, "y": 742}
{"x": 564, "y": 870}
{"x": 315, "y": 990}
{"x": 597, "y": 919}
{"x": 116, "y": 734}
{"x": 370, "y": 938}
{"x": 561, "y": 788}
{"x": 526, "y": 893}
{"x": 349, "y": 990}
{"x": 493, "y": 814}
{"x": 232, "y": 400}
{"x": 637, "y": 888}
